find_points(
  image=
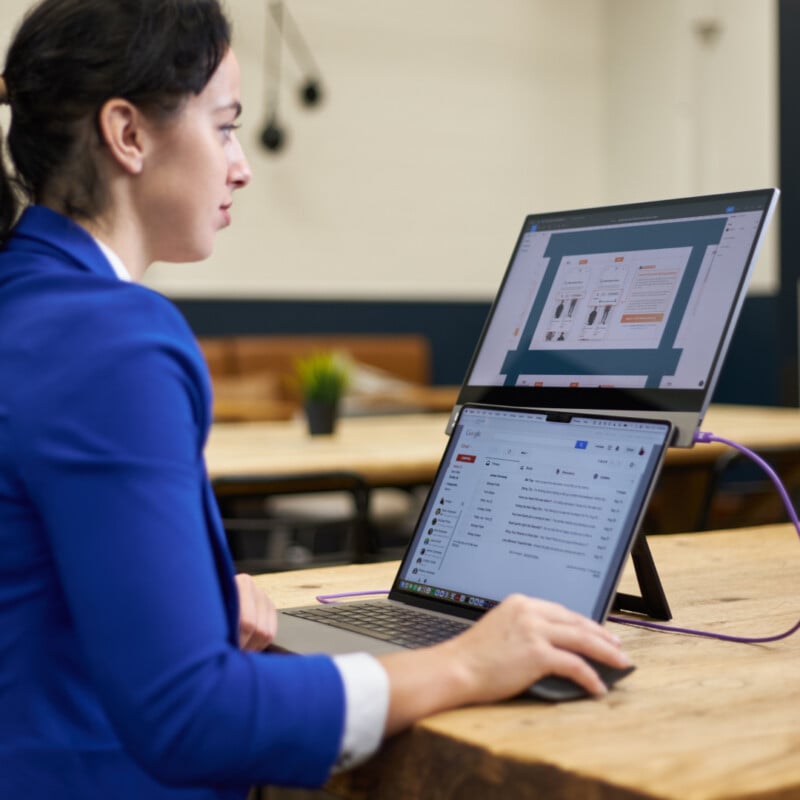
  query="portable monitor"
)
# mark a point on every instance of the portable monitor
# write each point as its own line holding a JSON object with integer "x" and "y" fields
{"x": 623, "y": 309}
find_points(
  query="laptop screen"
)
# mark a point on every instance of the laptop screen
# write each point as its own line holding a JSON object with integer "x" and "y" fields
{"x": 535, "y": 502}
{"x": 624, "y": 308}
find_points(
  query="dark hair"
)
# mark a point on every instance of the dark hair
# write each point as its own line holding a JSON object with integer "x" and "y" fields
{"x": 67, "y": 59}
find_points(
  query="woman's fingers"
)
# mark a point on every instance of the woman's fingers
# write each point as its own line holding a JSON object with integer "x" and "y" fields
{"x": 258, "y": 619}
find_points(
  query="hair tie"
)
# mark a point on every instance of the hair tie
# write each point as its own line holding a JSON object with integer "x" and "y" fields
{"x": 3, "y": 91}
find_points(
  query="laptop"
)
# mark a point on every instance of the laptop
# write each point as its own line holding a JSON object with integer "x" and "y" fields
{"x": 538, "y": 502}
{"x": 622, "y": 309}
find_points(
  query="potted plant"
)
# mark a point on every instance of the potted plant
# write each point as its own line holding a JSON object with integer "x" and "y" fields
{"x": 322, "y": 379}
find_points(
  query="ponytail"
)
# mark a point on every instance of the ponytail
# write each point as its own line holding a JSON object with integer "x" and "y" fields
{"x": 9, "y": 203}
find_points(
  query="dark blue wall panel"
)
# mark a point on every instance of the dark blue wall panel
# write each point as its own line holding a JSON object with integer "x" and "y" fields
{"x": 751, "y": 373}
{"x": 452, "y": 328}
{"x": 752, "y": 370}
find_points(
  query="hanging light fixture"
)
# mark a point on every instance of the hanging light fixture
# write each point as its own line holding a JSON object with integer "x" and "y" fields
{"x": 281, "y": 28}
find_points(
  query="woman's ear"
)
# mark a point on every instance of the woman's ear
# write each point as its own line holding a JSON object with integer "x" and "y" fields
{"x": 121, "y": 127}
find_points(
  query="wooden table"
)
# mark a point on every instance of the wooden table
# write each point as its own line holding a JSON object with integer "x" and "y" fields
{"x": 700, "y": 719}
{"x": 753, "y": 426}
{"x": 393, "y": 449}
{"x": 399, "y": 446}
{"x": 405, "y": 449}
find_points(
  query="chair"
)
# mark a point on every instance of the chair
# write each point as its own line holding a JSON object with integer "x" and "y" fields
{"x": 262, "y": 540}
{"x": 741, "y": 494}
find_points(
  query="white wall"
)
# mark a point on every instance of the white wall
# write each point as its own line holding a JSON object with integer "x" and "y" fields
{"x": 693, "y": 103}
{"x": 445, "y": 123}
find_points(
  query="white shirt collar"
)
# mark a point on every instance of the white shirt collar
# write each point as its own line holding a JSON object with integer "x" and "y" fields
{"x": 116, "y": 262}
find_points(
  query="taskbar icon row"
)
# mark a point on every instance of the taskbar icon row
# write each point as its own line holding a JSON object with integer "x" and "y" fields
{"x": 444, "y": 594}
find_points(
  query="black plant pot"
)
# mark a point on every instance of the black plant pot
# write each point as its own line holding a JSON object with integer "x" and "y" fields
{"x": 321, "y": 416}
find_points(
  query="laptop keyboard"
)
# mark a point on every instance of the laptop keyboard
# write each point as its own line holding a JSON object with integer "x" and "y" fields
{"x": 389, "y": 622}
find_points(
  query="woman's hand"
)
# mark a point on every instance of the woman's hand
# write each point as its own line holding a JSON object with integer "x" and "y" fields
{"x": 522, "y": 640}
{"x": 258, "y": 620}
{"x": 512, "y": 646}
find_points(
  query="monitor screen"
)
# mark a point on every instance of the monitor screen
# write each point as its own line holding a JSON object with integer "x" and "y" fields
{"x": 622, "y": 308}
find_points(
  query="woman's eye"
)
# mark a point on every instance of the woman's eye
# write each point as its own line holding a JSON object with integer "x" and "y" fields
{"x": 229, "y": 130}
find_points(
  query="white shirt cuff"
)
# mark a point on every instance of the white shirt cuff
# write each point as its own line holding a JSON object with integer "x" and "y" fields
{"x": 366, "y": 691}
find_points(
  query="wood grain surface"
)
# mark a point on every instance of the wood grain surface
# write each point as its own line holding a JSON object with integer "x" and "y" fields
{"x": 700, "y": 719}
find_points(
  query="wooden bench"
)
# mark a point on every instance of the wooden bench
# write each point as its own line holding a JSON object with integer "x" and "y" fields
{"x": 252, "y": 375}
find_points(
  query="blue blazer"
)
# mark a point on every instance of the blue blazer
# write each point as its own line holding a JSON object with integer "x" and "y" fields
{"x": 120, "y": 674}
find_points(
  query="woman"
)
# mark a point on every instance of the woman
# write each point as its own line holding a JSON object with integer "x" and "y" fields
{"x": 127, "y": 663}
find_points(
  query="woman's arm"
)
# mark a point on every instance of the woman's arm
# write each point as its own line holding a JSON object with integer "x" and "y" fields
{"x": 111, "y": 450}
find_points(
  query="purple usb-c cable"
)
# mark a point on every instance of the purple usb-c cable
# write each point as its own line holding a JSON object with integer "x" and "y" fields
{"x": 703, "y": 437}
